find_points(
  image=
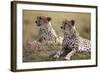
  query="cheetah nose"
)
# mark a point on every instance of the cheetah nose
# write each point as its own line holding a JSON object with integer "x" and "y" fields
{"x": 35, "y": 21}
{"x": 61, "y": 27}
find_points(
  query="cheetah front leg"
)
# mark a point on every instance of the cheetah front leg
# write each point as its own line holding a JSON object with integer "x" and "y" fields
{"x": 68, "y": 56}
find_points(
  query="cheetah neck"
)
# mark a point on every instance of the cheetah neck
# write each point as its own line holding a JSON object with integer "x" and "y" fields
{"x": 71, "y": 35}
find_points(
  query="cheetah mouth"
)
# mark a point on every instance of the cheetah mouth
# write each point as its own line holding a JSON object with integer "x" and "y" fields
{"x": 37, "y": 23}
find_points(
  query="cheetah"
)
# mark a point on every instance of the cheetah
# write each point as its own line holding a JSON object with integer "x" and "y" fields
{"x": 46, "y": 31}
{"x": 72, "y": 42}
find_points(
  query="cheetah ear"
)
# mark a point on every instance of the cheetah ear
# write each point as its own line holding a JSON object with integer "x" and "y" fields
{"x": 49, "y": 18}
{"x": 73, "y": 22}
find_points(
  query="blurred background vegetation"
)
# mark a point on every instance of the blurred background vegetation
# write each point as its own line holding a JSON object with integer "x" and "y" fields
{"x": 30, "y": 30}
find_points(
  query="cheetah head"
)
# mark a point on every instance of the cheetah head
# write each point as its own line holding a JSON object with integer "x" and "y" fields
{"x": 42, "y": 20}
{"x": 67, "y": 25}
